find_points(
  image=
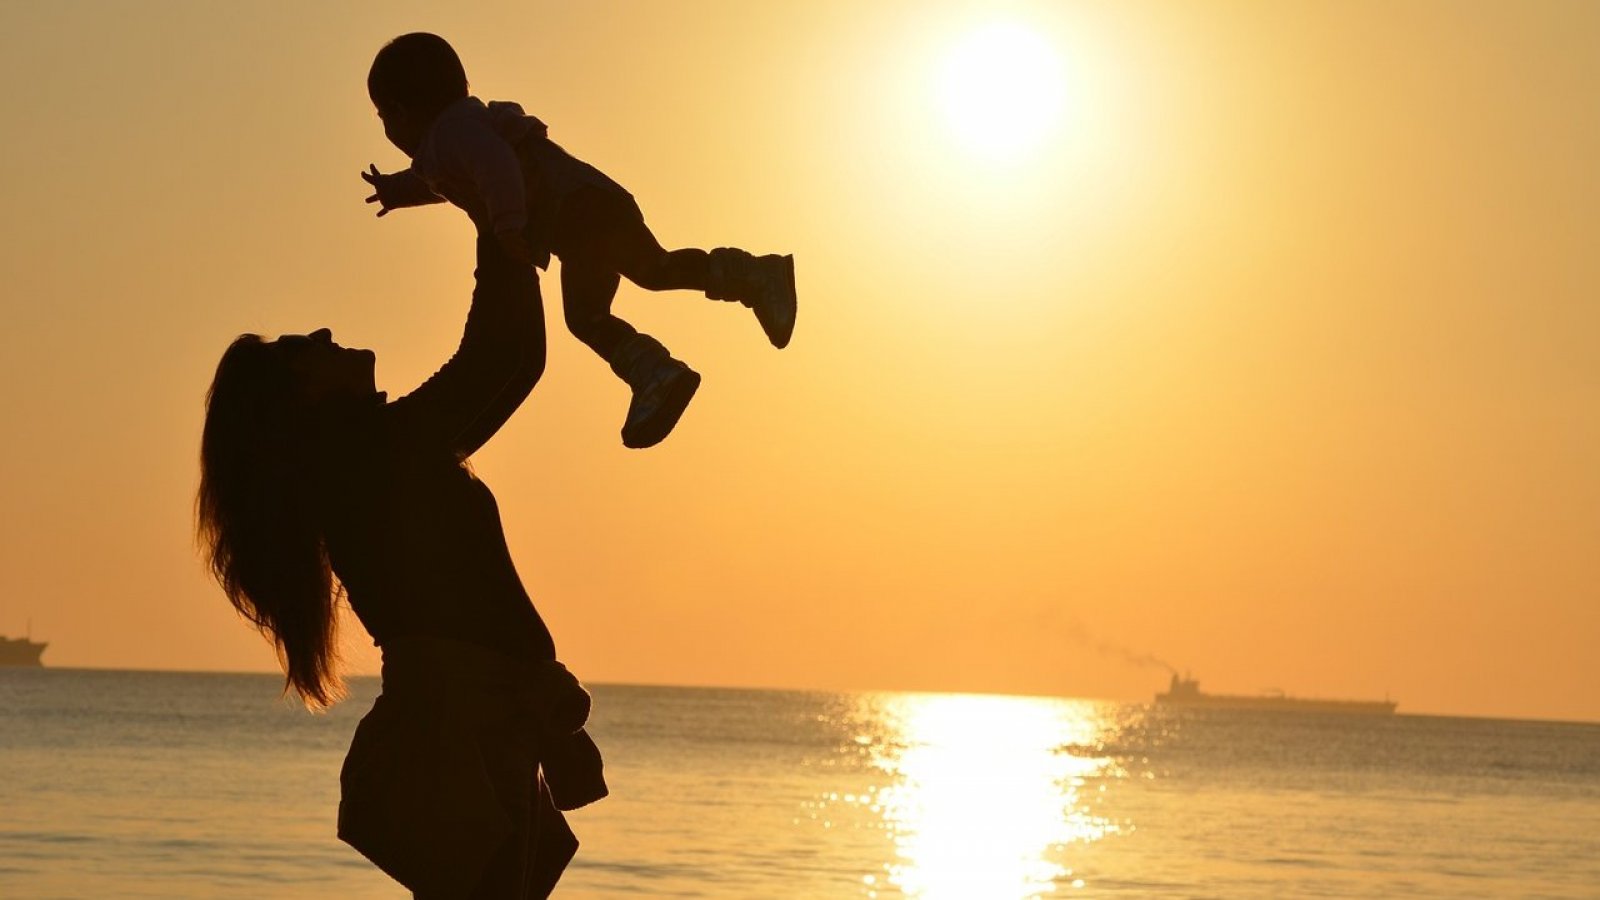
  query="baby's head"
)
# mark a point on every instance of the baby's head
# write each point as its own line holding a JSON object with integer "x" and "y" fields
{"x": 413, "y": 78}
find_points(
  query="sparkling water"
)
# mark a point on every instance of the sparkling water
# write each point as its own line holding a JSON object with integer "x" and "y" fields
{"x": 170, "y": 785}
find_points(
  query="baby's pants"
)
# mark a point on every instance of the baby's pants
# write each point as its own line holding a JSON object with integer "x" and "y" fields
{"x": 600, "y": 235}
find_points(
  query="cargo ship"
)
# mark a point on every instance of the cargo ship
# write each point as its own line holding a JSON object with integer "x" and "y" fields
{"x": 20, "y": 651}
{"x": 1185, "y": 693}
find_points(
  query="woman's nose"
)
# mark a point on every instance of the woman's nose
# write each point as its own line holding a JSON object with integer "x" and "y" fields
{"x": 324, "y": 335}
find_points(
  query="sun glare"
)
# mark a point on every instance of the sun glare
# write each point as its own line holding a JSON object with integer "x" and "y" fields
{"x": 1002, "y": 89}
{"x": 983, "y": 802}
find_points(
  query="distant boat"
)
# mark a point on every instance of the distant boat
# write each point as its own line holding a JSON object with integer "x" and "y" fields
{"x": 1185, "y": 692}
{"x": 20, "y": 651}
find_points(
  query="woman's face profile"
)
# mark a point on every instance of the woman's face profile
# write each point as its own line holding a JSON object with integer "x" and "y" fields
{"x": 326, "y": 370}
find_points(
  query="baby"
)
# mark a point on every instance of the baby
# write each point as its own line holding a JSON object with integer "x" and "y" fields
{"x": 499, "y": 166}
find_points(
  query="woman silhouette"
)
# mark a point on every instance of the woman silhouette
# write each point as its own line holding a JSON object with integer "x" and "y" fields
{"x": 313, "y": 484}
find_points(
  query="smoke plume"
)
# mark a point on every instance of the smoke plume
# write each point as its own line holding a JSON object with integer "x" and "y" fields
{"x": 1078, "y": 634}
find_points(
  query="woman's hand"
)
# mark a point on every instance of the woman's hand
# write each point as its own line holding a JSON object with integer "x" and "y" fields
{"x": 515, "y": 246}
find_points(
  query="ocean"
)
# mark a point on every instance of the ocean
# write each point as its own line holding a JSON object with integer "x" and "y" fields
{"x": 173, "y": 785}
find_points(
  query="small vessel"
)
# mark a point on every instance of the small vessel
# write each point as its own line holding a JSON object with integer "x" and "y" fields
{"x": 1185, "y": 692}
{"x": 20, "y": 651}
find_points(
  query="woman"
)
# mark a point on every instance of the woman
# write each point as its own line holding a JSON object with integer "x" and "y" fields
{"x": 312, "y": 484}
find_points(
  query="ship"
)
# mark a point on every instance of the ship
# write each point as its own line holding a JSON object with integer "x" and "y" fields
{"x": 20, "y": 651}
{"x": 1185, "y": 693}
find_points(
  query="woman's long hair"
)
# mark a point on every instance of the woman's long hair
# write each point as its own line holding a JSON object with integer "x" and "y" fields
{"x": 257, "y": 513}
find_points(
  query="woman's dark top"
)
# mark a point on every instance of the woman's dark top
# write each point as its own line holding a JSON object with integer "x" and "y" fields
{"x": 413, "y": 536}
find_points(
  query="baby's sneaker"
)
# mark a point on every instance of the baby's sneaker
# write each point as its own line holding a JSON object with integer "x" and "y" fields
{"x": 763, "y": 283}
{"x": 773, "y": 297}
{"x": 659, "y": 399}
{"x": 662, "y": 388}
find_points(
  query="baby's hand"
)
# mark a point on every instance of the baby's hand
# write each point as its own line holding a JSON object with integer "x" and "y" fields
{"x": 516, "y": 246}
{"x": 381, "y": 195}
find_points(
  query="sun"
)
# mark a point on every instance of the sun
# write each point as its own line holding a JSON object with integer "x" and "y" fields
{"x": 1001, "y": 89}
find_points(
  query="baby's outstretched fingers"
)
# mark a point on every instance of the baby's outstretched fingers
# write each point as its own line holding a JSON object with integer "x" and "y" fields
{"x": 371, "y": 177}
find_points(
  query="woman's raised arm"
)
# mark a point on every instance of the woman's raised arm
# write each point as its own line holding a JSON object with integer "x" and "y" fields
{"x": 500, "y": 358}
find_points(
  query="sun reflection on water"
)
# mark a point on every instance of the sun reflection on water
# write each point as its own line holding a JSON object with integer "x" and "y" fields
{"x": 984, "y": 796}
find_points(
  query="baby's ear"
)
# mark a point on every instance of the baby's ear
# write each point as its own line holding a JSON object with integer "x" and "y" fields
{"x": 390, "y": 111}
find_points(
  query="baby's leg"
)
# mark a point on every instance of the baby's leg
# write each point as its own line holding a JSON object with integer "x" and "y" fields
{"x": 608, "y": 231}
{"x": 641, "y": 257}
{"x": 587, "y": 290}
{"x": 662, "y": 386}
{"x": 605, "y": 230}
{"x": 763, "y": 283}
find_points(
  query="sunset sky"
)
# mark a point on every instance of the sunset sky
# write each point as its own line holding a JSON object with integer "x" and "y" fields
{"x": 1262, "y": 339}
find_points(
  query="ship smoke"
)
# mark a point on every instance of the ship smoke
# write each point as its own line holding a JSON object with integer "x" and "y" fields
{"x": 1078, "y": 634}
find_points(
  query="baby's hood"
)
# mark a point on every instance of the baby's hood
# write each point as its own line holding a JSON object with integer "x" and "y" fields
{"x": 509, "y": 120}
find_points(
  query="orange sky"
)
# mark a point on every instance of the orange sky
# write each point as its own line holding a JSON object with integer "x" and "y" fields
{"x": 1276, "y": 356}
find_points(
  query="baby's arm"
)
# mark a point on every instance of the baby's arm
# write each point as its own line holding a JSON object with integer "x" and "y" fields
{"x": 398, "y": 190}
{"x": 473, "y": 152}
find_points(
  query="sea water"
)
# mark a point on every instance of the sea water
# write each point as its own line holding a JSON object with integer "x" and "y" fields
{"x": 168, "y": 785}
